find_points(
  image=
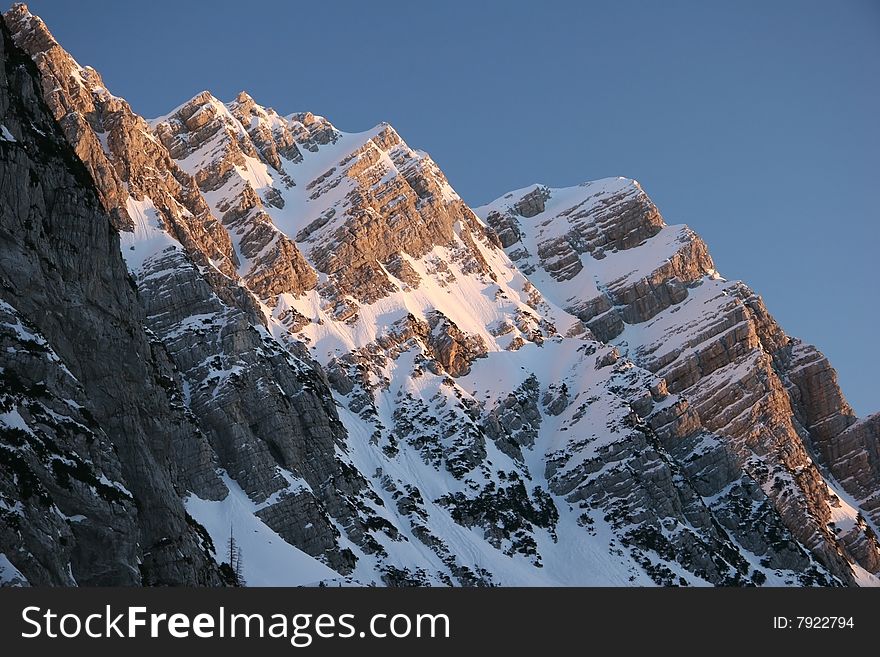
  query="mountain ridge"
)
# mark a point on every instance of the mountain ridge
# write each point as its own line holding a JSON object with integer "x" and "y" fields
{"x": 335, "y": 317}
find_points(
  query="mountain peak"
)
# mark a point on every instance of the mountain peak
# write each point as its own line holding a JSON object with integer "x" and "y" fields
{"x": 201, "y": 100}
{"x": 20, "y": 10}
{"x": 20, "y": 20}
{"x": 244, "y": 97}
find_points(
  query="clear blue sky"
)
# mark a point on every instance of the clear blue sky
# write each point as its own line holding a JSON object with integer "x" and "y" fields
{"x": 754, "y": 122}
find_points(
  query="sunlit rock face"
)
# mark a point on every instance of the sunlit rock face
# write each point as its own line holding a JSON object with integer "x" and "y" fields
{"x": 318, "y": 345}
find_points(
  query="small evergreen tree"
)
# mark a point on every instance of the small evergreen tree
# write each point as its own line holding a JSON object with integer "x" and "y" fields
{"x": 235, "y": 559}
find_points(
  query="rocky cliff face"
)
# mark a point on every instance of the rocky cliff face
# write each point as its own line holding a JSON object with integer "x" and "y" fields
{"x": 259, "y": 406}
{"x": 91, "y": 418}
{"x": 731, "y": 370}
{"x": 366, "y": 378}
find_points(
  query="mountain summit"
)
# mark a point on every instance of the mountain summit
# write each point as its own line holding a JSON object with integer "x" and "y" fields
{"x": 229, "y": 316}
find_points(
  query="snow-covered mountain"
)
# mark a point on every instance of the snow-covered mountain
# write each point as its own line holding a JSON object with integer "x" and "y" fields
{"x": 319, "y": 346}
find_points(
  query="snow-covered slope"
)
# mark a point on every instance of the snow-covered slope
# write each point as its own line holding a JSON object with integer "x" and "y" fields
{"x": 652, "y": 290}
{"x": 414, "y": 297}
{"x": 556, "y": 388}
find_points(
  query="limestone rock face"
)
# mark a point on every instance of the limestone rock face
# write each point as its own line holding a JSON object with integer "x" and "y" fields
{"x": 592, "y": 221}
{"x": 272, "y": 135}
{"x": 91, "y": 416}
{"x": 849, "y": 447}
{"x": 266, "y": 412}
{"x": 229, "y": 169}
{"x": 125, "y": 159}
{"x": 319, "y": 343}
{"x": 771, "y": 404}
{"x": 269, "y": 402}
{"x": 450, "y": 347}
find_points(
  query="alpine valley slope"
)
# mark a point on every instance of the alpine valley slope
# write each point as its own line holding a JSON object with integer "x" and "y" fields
{"x": 319, "y": 345}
